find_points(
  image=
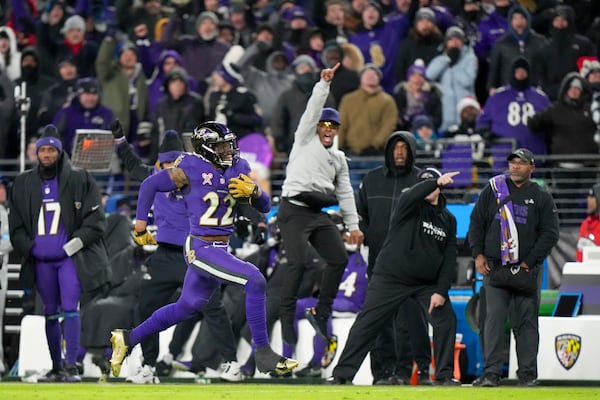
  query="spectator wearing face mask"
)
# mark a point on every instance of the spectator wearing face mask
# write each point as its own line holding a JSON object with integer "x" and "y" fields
{"x": 559, "y": 56}
{"x": 507, "y": 111}
{"x": 455, "y": 70}
{"x": 519, "y": 40}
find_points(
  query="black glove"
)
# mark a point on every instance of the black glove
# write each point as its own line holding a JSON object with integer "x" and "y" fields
{"x": 454, "y": 54}
{"x": 260, "y": 234}
{"x": 117, "y": 129}
{"x": 241, "y": 226}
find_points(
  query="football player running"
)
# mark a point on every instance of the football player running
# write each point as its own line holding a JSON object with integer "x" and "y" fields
{"x": 212, "y": 181}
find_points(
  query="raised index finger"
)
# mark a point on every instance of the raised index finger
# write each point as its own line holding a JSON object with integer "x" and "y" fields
{"x": 335, "y": 67}
{"x": 452, "y": 174}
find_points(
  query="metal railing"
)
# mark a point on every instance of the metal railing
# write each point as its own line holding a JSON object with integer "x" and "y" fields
{"x": 567, "y": 177}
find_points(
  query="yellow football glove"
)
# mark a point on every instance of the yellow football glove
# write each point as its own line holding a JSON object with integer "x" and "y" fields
{"x": 243, "y": 187}
{"x": 143, "y": 238}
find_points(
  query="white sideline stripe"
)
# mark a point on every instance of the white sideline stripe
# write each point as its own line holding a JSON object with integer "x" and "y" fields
{"x": 213, "y": 271}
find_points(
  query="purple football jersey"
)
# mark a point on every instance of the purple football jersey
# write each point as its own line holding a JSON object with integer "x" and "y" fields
{"x": 506, "y": 114}
{"x": 211, "y": 209}
{"x": 51, "y": 234}
{"x": 353, "y": 285}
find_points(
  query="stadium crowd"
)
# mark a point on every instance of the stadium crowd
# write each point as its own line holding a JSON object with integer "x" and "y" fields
{"x": 446, "y": 72}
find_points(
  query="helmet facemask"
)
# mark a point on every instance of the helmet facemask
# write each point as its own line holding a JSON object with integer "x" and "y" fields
{"x": 216, "y": 143}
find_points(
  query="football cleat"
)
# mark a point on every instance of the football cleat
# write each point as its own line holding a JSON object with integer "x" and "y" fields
{"x": 72, "y": 374}
{"x": 318, "y": 322}
{"x": 269, "y": 361}
{"x": 330, "y": 351}
{"x": 53, "y": 376}
{"x": 120, "y": 349}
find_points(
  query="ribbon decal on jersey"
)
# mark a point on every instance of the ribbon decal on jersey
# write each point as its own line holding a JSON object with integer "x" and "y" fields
{"x": 567, "y": 347}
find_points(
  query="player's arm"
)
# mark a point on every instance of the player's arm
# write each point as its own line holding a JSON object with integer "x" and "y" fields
{"x": 164, "y": 181}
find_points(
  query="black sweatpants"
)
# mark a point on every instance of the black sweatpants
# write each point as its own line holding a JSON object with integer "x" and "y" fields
{"x": 300, "y": 226}
{"x": 384, "y": 297}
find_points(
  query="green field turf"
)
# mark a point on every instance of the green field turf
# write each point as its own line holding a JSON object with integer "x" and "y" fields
{"x": 121, "y": 391}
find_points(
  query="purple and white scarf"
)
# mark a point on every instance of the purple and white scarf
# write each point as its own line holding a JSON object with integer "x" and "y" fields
{"x": 509, "y": 237}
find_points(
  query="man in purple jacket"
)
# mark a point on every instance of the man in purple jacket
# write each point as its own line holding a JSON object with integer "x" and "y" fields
{"x": 84, "y": 112}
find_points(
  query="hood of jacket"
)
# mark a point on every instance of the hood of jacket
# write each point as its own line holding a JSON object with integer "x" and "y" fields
{"x": 409, "y": 139}
{"x": 564, "y": 87}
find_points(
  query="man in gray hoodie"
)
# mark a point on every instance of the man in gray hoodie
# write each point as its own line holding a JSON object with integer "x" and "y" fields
{"x": 316, "y": 177}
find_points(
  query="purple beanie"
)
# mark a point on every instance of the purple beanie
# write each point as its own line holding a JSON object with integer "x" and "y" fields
{"x": 49, "y": 138}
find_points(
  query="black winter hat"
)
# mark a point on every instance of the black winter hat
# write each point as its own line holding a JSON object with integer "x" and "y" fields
{"x": 170, "y": 148}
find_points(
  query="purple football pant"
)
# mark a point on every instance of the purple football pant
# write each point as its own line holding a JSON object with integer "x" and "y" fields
{"x": 210, "y": 265}
{"x": 59, "y": 288}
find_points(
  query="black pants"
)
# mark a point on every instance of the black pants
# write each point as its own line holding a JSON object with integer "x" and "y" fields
{"x": 522, "y": 311}
{"x": 395, "y": 350}
{"x": 300, "y": 226}
{"x": 166, "y": 270}
{"x": 384, "y": 297}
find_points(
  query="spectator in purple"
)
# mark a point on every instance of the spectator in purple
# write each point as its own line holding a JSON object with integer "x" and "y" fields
{"x": 169, "y": 59}
{"x": 443, "y": 17}
{"x": 84, "y": 112}
{"x": 507, "y": 111}
{"x": 201, "y": 53}
{"x": 417, "y": 96}
{"x": 377, "y": 39}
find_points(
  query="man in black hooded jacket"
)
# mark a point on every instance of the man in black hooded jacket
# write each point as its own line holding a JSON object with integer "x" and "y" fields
{"x": 416, "y": 260}
{"x": 392, "y": 355}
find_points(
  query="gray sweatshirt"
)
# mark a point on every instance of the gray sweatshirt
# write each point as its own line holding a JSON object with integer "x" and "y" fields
{"x": 314, "y": 168}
